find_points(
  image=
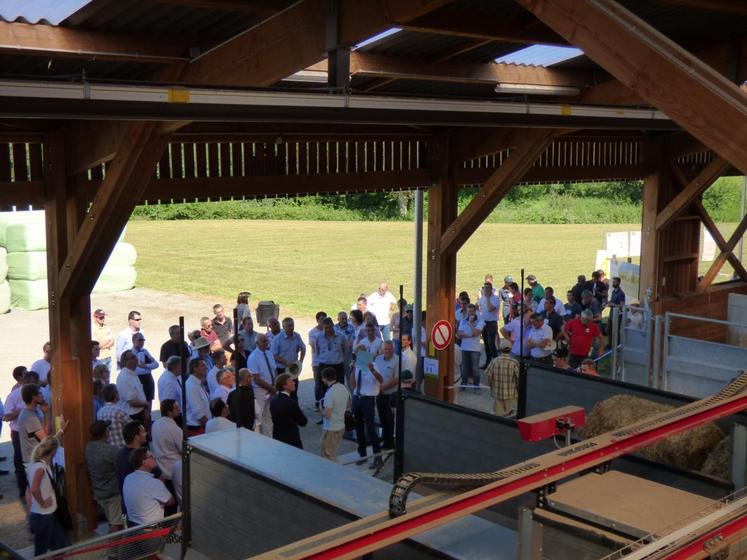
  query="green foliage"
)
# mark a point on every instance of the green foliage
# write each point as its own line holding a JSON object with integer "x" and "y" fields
{"x": 554, "y": 203}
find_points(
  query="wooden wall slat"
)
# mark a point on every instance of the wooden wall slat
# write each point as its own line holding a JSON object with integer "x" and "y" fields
{"x": 19, "y": 162}
{"x": 189, "y": 160}
{"x": 36, "y": 162}
{"x": 4, "y": 162}
{"x": 213, "y": 165}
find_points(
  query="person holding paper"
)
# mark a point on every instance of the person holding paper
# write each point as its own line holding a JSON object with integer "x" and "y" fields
{"x": 365, "y": 384}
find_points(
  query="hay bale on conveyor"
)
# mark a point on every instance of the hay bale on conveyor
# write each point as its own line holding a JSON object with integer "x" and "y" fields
{"x": 718, "y": 463}
{"x": 688, "y": 450}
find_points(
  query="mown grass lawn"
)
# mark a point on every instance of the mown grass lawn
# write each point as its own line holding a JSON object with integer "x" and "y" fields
{"x": 311, "y": 266}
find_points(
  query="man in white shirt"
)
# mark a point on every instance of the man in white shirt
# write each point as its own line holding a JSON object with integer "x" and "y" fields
{"x": 409, "y": 358}
{"x": 336, "y": 402}
{"x": 226, "y": 383}
{"x": 219, "y": 363}
{"x": 469, "y": 330}
{"x": 539, "y": 339}
{"x": 489, "y": 307}
{"x": 166, "y": 444}
{"x": 219, "y": 421}
{"x": 381, "y": 304}
{"x": 261, "y": 364}
{"x": 170, "y": 382}
{"x": 366, "y": 384}
{"x": 124, "y": 339}
{"x": 387, "y": 366}
{"x": 198, "y": 401}
{"x": 144, "y": 496}
{"x": 43, "y": 365}
{"x": 317, "y": 331}
{"x": 131, "y": 395}
{"x": 559, "y": 305}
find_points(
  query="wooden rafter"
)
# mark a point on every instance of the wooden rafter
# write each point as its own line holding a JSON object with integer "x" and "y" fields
{"x": 691, "y": 191}
{"x": 294, "y": 40}
{"x": 694, "y": 95}
{"x": 530, "y": 144}
{"x": 722, "y": 257}
{"x": 453, "y": 20}
{"x": 51, "y": 40}
{"x": 385, "y": 66}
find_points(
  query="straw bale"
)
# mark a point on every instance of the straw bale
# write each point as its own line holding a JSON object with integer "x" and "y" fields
{"x": 688, "y": 450}
{"x": 718, "y": 463}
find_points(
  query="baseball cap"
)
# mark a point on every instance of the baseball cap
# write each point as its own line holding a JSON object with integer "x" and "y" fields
{"x": 531, "y": 278}
{"x": 100, "y": 313}
{"x": 508, "y": 279}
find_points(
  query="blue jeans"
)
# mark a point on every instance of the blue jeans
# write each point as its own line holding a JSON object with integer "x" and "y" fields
{"x": 470, "y": 367}
{"x": 364, "y": 410}
{"x": 48, "y": 535}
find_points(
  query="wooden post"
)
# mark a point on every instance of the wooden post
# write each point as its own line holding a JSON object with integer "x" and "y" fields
{"x": 441, "y": 268}
{"x": 70, "y": 331}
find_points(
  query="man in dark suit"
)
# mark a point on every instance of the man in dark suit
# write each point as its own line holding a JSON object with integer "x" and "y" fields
{"x": 241, "y": 401}
{"x": 286, "y": 414}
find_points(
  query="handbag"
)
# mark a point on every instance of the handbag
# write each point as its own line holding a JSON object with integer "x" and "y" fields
{"x": 349, "y": 421}
{"x": 62, "y": 513}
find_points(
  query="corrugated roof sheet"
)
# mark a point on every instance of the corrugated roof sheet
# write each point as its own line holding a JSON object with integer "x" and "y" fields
{"x": 39, "y": 11}
{"x": 540, "y": 55}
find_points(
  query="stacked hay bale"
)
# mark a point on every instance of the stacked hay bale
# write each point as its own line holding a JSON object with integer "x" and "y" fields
{"x": 688, "y": 450}
{"x": 4, "y": 286}
{"x": 25, "y": 240}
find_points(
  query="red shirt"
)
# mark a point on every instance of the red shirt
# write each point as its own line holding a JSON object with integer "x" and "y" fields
{"x": 582, "y": 336}
{"x": 211, "y": 336}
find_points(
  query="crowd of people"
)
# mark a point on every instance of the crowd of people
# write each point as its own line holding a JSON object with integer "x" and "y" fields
{"x": 251, "y": 381}
{"x": 537, "y": 325}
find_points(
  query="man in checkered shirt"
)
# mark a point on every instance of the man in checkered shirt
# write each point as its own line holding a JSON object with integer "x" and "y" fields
{"x": 503, "y": 376}
{"x": 113, "y": 415}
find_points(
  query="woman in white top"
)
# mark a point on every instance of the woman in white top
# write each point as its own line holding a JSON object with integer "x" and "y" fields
{"x": 48, "y": 534}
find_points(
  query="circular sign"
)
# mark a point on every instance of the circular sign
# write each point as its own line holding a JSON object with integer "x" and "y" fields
{"x": 441, "y": 334}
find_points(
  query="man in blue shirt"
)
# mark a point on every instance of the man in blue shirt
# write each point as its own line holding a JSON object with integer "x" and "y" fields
{"x": 331, "y": 349}
{"x": 287, "y": 348}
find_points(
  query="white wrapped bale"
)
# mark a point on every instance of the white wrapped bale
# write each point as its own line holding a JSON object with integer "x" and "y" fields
{"x": 116, "y": 279}
{"x": 31, "y": 265}
{"x": 4, "y": 297}
{"x": 27, "y": 235}
{"x": 28, "y": 294}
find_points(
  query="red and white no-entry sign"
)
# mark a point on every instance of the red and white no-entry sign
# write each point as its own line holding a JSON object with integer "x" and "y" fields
{"x": 441, "y": 334}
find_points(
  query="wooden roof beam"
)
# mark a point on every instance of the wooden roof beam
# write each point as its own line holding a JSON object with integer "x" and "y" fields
{"x": 530, "y": 144}
{"x": 451, "y": 20}
{"x": 719, "y": 261}
{"x": 49, "y": 40}
{"x": 295, "y": 39}
{"x": 691, "y": 191}
{"x": 385, "y": 66}
{"x": 690, "y": 92}
{"x": 721, "y": 243}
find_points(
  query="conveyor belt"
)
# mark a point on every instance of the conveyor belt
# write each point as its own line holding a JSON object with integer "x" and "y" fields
{"x": 377, "y": 532}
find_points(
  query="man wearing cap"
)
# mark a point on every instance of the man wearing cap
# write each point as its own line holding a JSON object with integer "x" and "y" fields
{"x": 538, "y": 292}
{"x": 201, "y": 349}
{"x": 261, "y": 364}
{"x": 101, "y": 332}
{"x": 288, "y": 348}
{"x": 539, "y": 339}
{"x": 124, "y": 339}
{"x": 504, "y": 296}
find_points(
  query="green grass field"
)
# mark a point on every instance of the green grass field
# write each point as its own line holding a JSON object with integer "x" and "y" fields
{"x": 311, "y": 266}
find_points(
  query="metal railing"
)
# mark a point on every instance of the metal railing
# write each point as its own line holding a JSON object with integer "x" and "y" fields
{"x": 132, "y": 543}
